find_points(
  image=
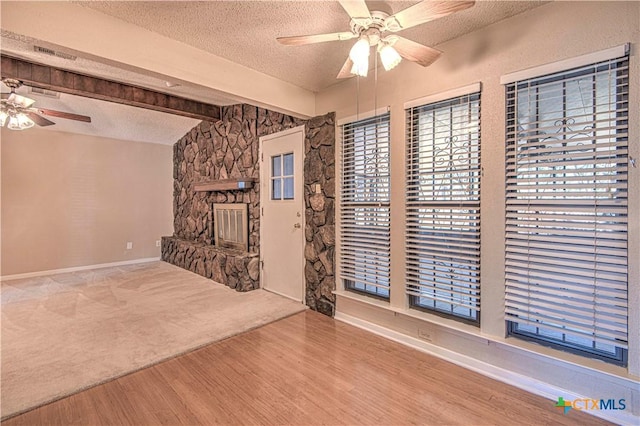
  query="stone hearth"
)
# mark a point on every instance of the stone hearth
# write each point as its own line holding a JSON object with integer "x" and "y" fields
{"x": 236, "y": 269}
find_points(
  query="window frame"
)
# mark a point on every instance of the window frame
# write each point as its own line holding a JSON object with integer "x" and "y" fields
{"x": 282, "y": 177}
{"x": 354, "y": 253}
{"x": 619, "y": 63}
{"x": 468, "y": 210}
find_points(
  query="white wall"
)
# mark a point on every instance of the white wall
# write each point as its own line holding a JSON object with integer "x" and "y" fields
{"x": 549, "y": 33}
{"x": 73, "y": 200}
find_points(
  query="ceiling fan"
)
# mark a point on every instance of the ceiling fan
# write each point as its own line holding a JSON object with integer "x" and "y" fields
{"x": 371, "y": 28}
{"x": 19, "y": 114}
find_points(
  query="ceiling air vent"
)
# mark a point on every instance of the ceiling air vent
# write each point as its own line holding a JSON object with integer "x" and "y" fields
{"x": 45, "y": 92}
{"x": 52, "y": 52}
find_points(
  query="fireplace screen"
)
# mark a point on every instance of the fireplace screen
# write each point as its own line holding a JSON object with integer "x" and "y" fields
{"x": 230, "y": 224}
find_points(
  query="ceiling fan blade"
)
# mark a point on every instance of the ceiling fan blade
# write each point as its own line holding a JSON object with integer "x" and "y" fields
{"x": 21, "y": 101}
{"x": 424, "y": 11}
{"x": 345, "y": 72}
{"x": 356, "y": 8}
{"x": 39, "y": 120}
{"x": 416, "y": 52}
{"x": 318, "y": 38}
{"x": 61, "y": 114}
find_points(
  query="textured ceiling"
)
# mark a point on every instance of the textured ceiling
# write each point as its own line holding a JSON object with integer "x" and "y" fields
{"x": 245, "y": 31}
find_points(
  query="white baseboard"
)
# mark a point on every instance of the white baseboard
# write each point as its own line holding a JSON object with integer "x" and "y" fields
{"x": 77, "y": 268}
{"x": 283, "y": 295}
{"x": 520, "y": 381}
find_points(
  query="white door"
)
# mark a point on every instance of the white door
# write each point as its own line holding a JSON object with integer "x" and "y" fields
{"x": 282, "y": 221}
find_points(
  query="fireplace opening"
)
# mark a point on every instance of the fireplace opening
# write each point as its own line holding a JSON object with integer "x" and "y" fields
{"x": 230, "y": 224}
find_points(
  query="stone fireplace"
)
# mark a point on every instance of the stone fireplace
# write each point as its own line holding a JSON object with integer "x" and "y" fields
{"x": 212, "y": 156}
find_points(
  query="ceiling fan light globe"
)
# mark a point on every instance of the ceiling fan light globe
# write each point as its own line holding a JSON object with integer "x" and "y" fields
{"x": 390, "y": 57}
{"x": 360, "y": 51}
{"x": 25, "y": 122}
{"x": 13, "y": 123}
{"x": 20, "y": 122}
{"x": 360, "y": 68}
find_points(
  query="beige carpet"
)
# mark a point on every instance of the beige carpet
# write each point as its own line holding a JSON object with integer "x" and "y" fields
{"x": 67, "y": 332}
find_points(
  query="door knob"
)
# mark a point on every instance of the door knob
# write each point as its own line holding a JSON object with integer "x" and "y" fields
{"x": 297, "y": 226}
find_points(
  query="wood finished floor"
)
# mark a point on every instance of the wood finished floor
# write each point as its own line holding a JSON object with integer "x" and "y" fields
{"x": 305, "y": 369}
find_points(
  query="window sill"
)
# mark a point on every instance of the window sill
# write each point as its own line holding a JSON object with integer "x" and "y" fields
{"x": 513, "y": 345}
{"x": 452, "y": 326}
{"x": 518, "y": 346}
{"x": 370, "y": 300}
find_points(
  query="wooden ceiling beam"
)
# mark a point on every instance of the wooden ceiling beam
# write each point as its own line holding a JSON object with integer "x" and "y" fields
{"x": 59, "y": 80}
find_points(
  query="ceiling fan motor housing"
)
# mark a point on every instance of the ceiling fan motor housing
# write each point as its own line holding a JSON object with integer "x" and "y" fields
{"x": 12, "y": 83}
{"x": 370, "y": 26}
{"x": 373, "y": 27}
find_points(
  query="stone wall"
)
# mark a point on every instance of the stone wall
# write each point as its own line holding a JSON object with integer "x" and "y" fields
{"x": 319, "y": 168}
{"x": 229, "y": 149}
{"x": 226, "y": 149}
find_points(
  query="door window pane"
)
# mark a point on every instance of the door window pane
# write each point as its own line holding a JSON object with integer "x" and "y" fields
{"x": 288, "y": 188}
{"x": 276, "y": 168}
{"x": 288, "y": 164}
{"x": 276, "y": 189}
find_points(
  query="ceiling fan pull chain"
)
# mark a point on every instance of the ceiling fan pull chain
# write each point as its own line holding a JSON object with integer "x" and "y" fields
{"x": 375, "y": 83}
{"x": 357, "y": 98}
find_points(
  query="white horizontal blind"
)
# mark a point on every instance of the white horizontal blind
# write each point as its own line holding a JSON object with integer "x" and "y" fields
{"x": 365, "y": 213}
{"x": 443, "y": 206}
{"x": 566, "y": 206}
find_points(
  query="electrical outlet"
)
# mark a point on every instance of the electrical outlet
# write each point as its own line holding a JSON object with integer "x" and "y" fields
{"x": 129, "y": 245}
{"x": 425, "y": 335}
{"x": 157, "y": 243}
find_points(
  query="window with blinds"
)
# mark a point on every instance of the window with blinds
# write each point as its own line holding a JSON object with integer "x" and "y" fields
{"x": 566, "y": 209}
{"x": 443, "y": 207}
{"x": 365, "y": 213}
